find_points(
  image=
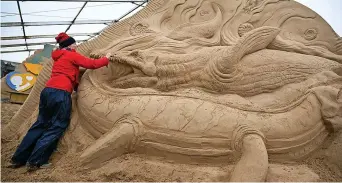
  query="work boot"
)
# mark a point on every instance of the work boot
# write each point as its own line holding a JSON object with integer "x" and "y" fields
{"x": 46, "y": 165}
{"x": 15, "y": 165}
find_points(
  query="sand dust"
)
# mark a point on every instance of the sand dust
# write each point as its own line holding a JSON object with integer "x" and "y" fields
{"x": 326, "y": 163}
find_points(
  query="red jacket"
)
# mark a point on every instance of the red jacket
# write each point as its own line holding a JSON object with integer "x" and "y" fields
{"x": 65, "y": 69}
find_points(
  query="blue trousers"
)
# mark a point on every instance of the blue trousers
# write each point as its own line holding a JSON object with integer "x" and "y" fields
{"x": 42, "y": 138}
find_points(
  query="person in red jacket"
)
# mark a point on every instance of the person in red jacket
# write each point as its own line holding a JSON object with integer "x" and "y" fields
{"x": 55, "y": 105}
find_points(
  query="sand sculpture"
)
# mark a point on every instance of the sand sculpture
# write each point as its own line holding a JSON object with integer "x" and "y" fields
{"x": 241, "y": 81}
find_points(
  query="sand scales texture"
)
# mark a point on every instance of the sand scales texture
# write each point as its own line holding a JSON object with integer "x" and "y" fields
{"x": 239, "y": 81}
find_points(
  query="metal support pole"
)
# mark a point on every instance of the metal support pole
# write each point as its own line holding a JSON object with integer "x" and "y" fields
{"x": 29, "y": 44}
{"x": 80, "y": 22}
{"x": 22, "y": 24}
{"x": 44, "y": 36}
{"x": 73, "y": 21}
{"x": 14, "y": 51}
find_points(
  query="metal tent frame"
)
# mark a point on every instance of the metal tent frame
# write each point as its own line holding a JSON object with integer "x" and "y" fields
{"x": 23, "y": 24}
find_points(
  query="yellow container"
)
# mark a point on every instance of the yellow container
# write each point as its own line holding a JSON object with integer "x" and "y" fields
{"x": 18, "y": 98}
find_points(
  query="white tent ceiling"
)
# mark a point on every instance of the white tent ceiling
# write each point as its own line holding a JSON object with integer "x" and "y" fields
{"x": 28, "y": 25}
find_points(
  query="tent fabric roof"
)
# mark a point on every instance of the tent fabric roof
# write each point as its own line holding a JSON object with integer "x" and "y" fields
{"x": 28, "y": 25}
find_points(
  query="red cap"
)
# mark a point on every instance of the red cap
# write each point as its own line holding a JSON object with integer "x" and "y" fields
{"x": 61, "y": 37}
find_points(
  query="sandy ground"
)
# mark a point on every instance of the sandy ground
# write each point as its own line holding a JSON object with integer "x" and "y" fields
{"x": 324, "y": 165}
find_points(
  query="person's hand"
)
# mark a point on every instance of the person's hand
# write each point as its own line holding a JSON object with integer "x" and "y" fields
{"x": 108, "y": 55}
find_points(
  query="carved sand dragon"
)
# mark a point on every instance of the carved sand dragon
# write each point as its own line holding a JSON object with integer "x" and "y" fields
{"x": 207, "y": 80}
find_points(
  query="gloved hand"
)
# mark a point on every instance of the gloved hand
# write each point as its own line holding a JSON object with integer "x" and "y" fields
{"x": 108, "y": 55}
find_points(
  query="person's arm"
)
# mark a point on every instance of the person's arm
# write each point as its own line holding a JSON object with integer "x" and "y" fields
{"x": 89, "y": 63}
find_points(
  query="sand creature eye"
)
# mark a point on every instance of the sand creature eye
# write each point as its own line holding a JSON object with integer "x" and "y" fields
{"x": 244, "y": 28}
{"x": 140, "y": 28}
{"x": 310, "y": 34}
